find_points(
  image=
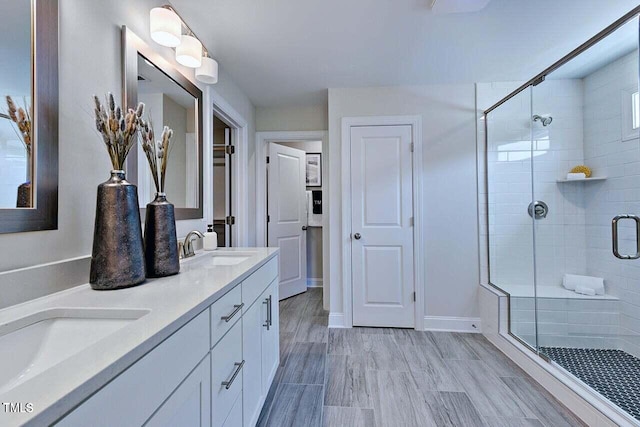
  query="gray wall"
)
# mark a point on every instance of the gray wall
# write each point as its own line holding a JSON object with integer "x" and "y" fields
{"x": 174, "y": 115}
{"x": 449, "y": 184}
{"x": 291, "y": 119}
{"x": 90, "y": 63}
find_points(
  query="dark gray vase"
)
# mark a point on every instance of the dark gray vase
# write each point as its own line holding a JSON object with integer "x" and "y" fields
{"x": 160, "y": 241}
{"x": 117, "y": 260}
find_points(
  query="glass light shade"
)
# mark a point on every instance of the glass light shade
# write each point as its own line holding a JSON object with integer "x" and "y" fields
{"x": 166, "y": 27}
{"x": 189, "y": 53}
{"x": 208, "y": 71}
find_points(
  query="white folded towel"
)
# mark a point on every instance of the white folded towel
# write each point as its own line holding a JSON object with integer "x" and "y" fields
{"x": 584, "y": 290}
{"x": 572, "y": 281}
{"x": 572, "y": 176}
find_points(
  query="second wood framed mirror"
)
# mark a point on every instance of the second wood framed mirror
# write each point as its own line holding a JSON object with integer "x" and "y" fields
{"x": 171, "y": 99}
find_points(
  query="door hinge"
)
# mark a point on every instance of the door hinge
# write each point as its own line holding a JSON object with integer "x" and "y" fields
{"x": 267, "y": 159}
{"x": 412, "y": 147}
{"x": 411, "y": 222}
{"x": 537, "y": 81}
{"x": 268, "y": 218}
{"x": 229, "y": 149}
{"x": 230, "y": 220}
{"x": 414, "y": 297}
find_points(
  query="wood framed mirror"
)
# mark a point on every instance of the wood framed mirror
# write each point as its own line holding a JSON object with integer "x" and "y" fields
{"x": 171, "y": 99}
{"x": 29, "y": 123}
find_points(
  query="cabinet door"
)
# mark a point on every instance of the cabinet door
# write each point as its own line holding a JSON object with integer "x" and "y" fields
{"x": 190, "y": 403}
{"x": 136, "y": 394}
{"x": 270, "y": 336}
{"x": 226, "y": 374}
{"x": 252, "y": 321}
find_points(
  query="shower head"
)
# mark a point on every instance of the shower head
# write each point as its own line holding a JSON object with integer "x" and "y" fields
{"x": 545, "y": 120}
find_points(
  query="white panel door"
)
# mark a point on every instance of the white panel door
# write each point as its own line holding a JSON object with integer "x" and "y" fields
{"x": 287, "y": 212}
{"x": 382, "y": 232}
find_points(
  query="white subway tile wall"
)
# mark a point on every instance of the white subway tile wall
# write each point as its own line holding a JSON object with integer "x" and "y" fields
{"x": 524, "y": 162}
{"x": 618, "y": 158}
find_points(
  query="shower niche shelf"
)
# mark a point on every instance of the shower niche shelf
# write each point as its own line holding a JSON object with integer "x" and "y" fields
{"x": 595, "y": 178}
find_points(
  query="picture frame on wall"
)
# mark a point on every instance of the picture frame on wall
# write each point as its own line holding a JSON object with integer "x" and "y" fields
{"x": 314, "y": 169}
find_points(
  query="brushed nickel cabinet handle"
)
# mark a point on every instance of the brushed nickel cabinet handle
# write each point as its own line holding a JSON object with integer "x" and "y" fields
{"x": 266, "y": 323}
{"x": 228, "y": 317}
{"x": 227, "y": 384}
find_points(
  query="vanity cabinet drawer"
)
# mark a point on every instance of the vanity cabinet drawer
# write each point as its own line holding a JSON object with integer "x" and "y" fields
{"x": 226, "y": 374}
{"x": 254, "y": 285}
{"x": 225, "y": 313}
{"x": 136, "y": 394}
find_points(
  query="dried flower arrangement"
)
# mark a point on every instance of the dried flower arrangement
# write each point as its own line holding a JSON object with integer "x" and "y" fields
{"x": 22, "y": 118}
{"x": 156, "y": 151}
{"x": 118, "y": 130}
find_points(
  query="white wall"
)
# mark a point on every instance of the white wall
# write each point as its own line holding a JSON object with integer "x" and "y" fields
{"x": 90, "y": 63}
{"x": 450, "y": 200}
{"x": 556, "y": 148}
{"x": 608, "y": 154}
{"x": 291, "y": 119}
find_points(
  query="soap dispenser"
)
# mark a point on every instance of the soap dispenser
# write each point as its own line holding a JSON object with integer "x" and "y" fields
{"x": 210, "y": 241}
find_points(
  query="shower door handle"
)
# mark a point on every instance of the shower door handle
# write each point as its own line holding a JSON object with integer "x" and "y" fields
{"x": 614, "y": 236}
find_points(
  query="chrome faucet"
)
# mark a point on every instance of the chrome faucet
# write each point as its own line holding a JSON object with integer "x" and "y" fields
{"x": 186, "y": 249}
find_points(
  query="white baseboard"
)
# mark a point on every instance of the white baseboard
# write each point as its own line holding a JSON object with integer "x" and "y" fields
{"x": 314, "y": 283}
{"x": 336, "y": 320}
{"x": 452, "y": 324}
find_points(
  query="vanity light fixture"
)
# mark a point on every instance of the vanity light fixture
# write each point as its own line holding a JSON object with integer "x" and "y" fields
{"x": 189, "y": 53}
{"x": 166, "y": 29}
{"x": 208, "y": 71}
{"x": 166, "y": 26}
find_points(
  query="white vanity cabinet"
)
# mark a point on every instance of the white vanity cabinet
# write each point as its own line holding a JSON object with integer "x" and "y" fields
{"x": 214, "y": 371}
{"x": 153, "y": 383}
{"x": 260, "y": 327}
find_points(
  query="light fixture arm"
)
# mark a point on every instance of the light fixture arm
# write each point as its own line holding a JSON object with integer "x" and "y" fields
{"x": 190, "y": 32}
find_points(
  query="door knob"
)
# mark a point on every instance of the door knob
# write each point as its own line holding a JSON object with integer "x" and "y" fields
{"x": 304, "y": 228}
{"x": 357, "y": 236}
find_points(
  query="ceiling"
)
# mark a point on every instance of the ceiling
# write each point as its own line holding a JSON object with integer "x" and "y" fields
{"x": 288, "y": 52}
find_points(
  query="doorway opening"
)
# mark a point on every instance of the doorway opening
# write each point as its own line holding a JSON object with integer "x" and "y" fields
{"x": 223, "y": 213}
{"x": 294, "y": 212}
{"x": 290, "y": 213}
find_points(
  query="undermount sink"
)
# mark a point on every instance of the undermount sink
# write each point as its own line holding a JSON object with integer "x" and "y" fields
{"x": 33, "y": 344}
{"x": 221, "y": 257}
{"x": 229, "y": 259}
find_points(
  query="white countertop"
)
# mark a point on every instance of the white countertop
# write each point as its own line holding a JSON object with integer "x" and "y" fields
{"x": 172, "y": 302}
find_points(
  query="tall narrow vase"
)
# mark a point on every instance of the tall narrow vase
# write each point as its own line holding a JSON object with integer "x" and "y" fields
{"x": 160, "y": 241}
{"x": 117, "y": 260}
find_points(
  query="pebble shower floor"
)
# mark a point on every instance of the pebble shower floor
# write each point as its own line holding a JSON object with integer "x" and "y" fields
{"x": 613, "y": 373}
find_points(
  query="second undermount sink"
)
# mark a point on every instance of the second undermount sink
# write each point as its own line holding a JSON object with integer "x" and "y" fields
{"x": 33, "y": 344}
{"x": 227, "y": 259}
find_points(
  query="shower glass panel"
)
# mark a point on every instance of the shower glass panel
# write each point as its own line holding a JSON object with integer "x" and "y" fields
{"x": 574, "y": 287}
{"x": 510, "y": 151}
{"x": 590, "y": 105}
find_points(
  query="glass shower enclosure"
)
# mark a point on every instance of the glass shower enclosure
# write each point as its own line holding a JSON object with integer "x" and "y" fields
{"x": 563, "y": 207}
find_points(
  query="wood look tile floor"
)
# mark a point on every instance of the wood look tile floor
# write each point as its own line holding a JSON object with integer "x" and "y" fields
{"x": 382, "y": 377}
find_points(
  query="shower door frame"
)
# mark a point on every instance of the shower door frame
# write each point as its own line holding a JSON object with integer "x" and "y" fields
{"x": 536, "y": 80}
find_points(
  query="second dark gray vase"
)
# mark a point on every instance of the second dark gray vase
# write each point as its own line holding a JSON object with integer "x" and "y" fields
{"x": 160, "y": 241}
{"x": 117, "y": 260}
